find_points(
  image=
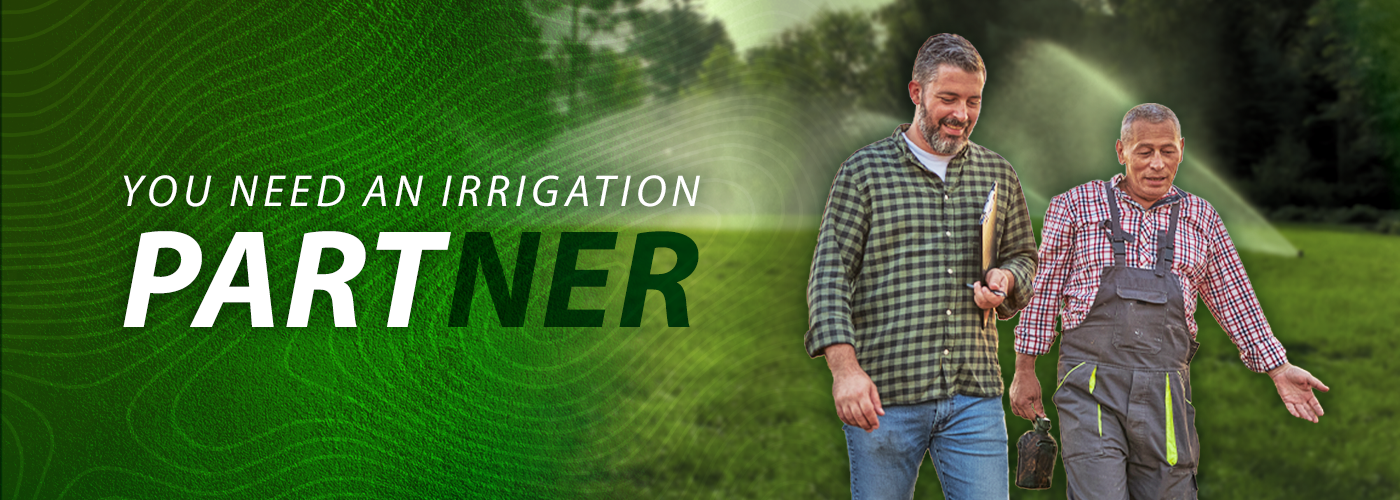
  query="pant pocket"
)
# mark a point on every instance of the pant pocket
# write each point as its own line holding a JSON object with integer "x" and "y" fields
{"x": 1080, "y": 416}
{"x": 1182, "y": 445}
{"x": 1192, "y": 440}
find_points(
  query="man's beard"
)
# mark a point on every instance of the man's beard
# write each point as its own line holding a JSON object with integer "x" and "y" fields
{"x": 935, "y": 140}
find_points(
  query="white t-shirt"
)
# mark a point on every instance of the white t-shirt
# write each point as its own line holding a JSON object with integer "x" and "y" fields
{"x": 936, "y": 163}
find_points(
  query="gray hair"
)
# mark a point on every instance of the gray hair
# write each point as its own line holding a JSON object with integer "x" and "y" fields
{"x": 1153, "y": 113}
{"x": 946, "y": 48}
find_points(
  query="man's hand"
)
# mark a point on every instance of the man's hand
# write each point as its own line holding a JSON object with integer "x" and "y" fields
{"x": 1025, "y": 389}
{"x": 857, "y": 400}
{"x": 1295, "y": 387}
{"x": 997, "y": 279}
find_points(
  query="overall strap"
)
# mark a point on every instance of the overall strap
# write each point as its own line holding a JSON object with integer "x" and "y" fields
{"x": 1166, "y": 242}
{"x": 1115, "y": 224}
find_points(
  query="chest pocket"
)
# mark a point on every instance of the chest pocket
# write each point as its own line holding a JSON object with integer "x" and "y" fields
{"x": 1192, "y": 252}
{"x": 1090, "y": 239}
{"x": 1145, "y": 312}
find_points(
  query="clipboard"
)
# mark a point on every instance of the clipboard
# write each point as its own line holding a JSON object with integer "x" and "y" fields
{"x": 989, "y": 245}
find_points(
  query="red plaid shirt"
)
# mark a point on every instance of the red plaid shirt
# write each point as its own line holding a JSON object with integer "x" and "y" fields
{"x": 1075, "y": 248}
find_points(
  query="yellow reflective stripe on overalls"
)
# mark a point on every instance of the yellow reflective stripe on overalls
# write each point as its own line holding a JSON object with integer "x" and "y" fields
{"x": 1097, "y": 407}
{"x": 1171, "y": 429}
{"x": 1071, "y": 370}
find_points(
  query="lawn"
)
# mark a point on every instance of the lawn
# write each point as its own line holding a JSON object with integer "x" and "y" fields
{"x": 733, "y": 408}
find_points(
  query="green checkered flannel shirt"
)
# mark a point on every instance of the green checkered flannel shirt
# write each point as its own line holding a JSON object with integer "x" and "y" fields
{"x": 895, "y": 252}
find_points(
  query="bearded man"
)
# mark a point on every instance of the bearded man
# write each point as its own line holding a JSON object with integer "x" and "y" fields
{"x": 913, "y": 362}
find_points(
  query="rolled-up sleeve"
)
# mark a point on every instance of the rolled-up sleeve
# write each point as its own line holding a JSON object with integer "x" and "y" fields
{"x": 836, "y": 264}
{"x": 1228, "y": 293}
{"x": 1016, "y": 251}
{"x": 1036, "y": 331}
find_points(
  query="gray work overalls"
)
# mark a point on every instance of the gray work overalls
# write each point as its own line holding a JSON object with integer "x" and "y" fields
{"x": 1127, "y": 427}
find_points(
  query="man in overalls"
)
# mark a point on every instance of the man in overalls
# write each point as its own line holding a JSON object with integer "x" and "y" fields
{"x": 1122, "y": 262}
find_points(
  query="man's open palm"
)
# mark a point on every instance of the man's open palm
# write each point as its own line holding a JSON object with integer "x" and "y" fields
{"x": 1295, "y": 387}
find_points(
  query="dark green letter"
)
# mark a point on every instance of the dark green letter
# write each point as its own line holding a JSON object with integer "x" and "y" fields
{"x": 510, "y": 302}
{"x": 566, "y": 277}
{"x": 640, "y": 278}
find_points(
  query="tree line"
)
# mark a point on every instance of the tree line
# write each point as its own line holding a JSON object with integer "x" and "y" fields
{"x": 1299, "y": 99}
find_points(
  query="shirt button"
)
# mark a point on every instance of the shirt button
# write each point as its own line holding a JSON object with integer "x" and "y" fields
{"x": 945, "y": 352}
{"x": 945, "y": 196}
{"x": 950, "y": 312}
{"x": 948, "y": 234}
{"x": 950, "y": 271}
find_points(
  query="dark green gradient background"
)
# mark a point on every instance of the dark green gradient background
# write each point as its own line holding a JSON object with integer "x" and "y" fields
{"x": 97, "y": 90}
{"x": 730, "y": 407}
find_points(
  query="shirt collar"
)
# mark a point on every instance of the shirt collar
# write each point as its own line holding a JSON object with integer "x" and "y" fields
{"x": 1172, "y": 197}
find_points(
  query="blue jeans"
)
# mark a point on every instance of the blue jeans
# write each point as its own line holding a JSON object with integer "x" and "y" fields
{"x": 966, "y": 436}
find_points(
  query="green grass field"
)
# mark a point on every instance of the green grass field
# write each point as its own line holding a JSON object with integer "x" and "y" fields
{"x": 733, "y": 408}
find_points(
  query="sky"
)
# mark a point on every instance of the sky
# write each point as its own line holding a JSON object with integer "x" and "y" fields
{"x": 751, "y": 23}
